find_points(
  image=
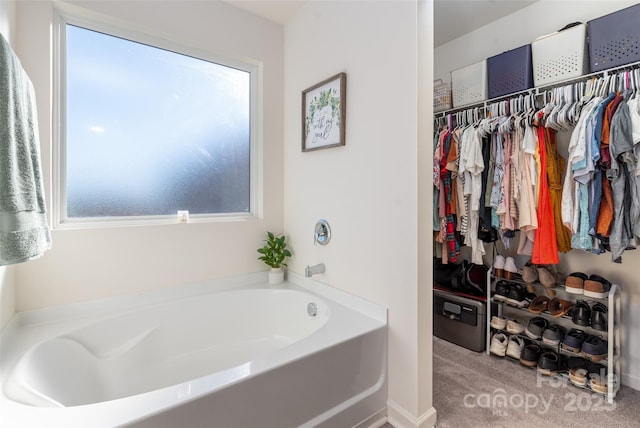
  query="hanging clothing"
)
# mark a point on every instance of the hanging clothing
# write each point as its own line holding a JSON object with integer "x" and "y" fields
{"x": 449, "y": 219}
{"x": 545, "y": 247}
{"x": 555, "y": 170}
{"x": 528, "y": 219}
{"x": 623, "y": 181}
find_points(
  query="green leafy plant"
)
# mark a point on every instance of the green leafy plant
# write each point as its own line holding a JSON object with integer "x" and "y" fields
{"x": 274, "y": 251}
{"x": 326, "y": 98}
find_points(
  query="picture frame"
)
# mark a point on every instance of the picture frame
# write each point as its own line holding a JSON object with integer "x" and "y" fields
{"x": 324, "y": 114}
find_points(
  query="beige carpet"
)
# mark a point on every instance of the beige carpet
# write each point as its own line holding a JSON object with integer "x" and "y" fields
{"x": 476, "y": 390}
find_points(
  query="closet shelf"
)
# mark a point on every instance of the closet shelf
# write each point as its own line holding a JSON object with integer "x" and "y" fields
{"x": 556, "y": 348}
{"x": 564, "y": 321}
{"x": 562, "y": 374}
{"x": 560, "y": 288}
{"x": 538, "y": 90}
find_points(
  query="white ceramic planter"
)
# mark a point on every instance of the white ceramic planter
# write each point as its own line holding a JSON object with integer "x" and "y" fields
{"x": 276, "y": 276}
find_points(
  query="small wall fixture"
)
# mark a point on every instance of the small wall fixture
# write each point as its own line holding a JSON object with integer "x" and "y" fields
{"x": 322, "y": 233}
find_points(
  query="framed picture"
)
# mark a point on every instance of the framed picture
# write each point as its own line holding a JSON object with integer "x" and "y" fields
{"x": 324, "y": 114}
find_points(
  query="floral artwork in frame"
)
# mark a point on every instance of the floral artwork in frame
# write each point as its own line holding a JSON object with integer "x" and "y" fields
{"x": 323, "y": 114}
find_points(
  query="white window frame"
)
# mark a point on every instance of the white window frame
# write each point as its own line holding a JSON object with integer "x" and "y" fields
{"x": 103, "y": 24}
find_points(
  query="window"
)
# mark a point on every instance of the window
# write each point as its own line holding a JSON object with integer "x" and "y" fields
{"x": 147, "y": 131}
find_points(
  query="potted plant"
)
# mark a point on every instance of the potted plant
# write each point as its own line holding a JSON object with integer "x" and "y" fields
{"x": 274, "y": 254}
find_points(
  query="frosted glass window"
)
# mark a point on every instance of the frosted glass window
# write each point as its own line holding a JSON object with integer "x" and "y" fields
{"x": 150, "y": 131}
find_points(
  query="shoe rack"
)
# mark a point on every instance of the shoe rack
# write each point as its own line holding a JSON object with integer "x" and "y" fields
{"x": 612, "y": 335}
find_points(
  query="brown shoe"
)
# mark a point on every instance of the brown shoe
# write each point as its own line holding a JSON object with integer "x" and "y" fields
{"x": 546, "y": 276}
{"x": 574, "y": 283}
{"x": 539, "y": 304}
{"x": 559, "y": 307}
{"x": 529, "y": 273}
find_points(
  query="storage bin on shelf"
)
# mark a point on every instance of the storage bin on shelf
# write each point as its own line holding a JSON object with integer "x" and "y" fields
{"x": 469, "y": 84}
{"x": 441, "y": 95}
{"x": 510, "y": 72}
{"x": 560, "y": 56}
{"x": 614, "y": 39}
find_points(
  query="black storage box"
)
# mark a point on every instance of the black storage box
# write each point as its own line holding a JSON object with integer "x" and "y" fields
{"x": 510, "y": 71}
{"x": 460, "y": 320}
{"x": 614, "y": 39}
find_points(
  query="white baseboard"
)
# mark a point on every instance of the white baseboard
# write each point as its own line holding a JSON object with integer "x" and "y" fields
{"x": 400, "y": 418}
{"x": 631, "y": 381}
{"x": 374, "y": 421}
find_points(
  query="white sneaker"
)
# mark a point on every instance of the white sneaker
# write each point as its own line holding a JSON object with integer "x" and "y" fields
{"x": 514, "y": 347}
{"x": 498, "y": 266}
{"x": 515, "y": 327}
{"x": 510, "y": 269}
{"x": 499, "y": 344}
{"x": 499, "y": 323}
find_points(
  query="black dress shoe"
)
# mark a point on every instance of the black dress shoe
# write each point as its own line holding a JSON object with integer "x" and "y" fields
{"x": 530, "y": 355}
{"x": 581, "y": 313}
{"x": 549, "y": 363}
{"x": 599, "y": 317}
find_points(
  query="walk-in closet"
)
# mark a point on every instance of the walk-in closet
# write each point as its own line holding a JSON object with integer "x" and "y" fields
{"x": 536, "y": 220}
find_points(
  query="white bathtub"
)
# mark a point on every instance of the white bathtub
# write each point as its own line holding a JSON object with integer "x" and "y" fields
{"x": 228, "y": 353}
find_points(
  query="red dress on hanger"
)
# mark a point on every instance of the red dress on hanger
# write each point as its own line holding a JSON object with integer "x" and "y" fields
{"x": 545, "y": 246}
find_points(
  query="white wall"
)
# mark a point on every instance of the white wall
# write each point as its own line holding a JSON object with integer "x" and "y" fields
{"x": 425, "y": 211}
{"x": 507, "y": 33}
{"x": 93, "y": 263}
{"x": 366, "y": 190}
{"x": 7, "y": 283}
{"x": 517, "y": 29}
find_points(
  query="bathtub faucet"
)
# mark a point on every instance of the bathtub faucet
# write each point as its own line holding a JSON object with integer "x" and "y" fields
{"x": 309, "y": 271}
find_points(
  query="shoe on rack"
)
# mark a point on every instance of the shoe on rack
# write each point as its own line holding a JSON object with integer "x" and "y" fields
{"x": 599, "y": 384}
{"x": 498, "y": 266}
{"x": 510, "y": 269}
{"x": 581, "y": 313}
{"x": 578, "y": 370}
{"x": 530, "y": 355}
{"x": 529, "y": 273}
{"x": 595, "y": 348}
{"x": 547, "y": 276}
{"x": 597, "y": 369}
{"x": 574, "y": 283}
{"x": 499, "y": 323}
{"x": 514, "y": 346}
{"x": 535, "y": 327}
{"x": 596, "y": 286}
{"x": 539, "y": 304}
{"x": 517, "y": 296}
{"x": 573, "y": 340}
{"x": 498, "y": 344}
{"x": 559, "y": 307}
{"x": 515, "y": 327}
{"x": 578, "y": 377}
{"x": 598, "y": 378}
{"x": 599, "y": 317}
{"x": 553, "y": 335}
{"x": 502, "y": 290}
{"x": 549, "y": 363}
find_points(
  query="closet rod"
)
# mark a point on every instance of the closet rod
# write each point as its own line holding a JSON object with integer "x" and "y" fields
{"x": 484, "y": 104}
{"x": 539, "y": 90}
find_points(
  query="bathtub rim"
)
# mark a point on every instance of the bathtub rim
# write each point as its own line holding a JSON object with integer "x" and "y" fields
{"x": 165, "y": 398}
{"x": 140, "y": 299}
